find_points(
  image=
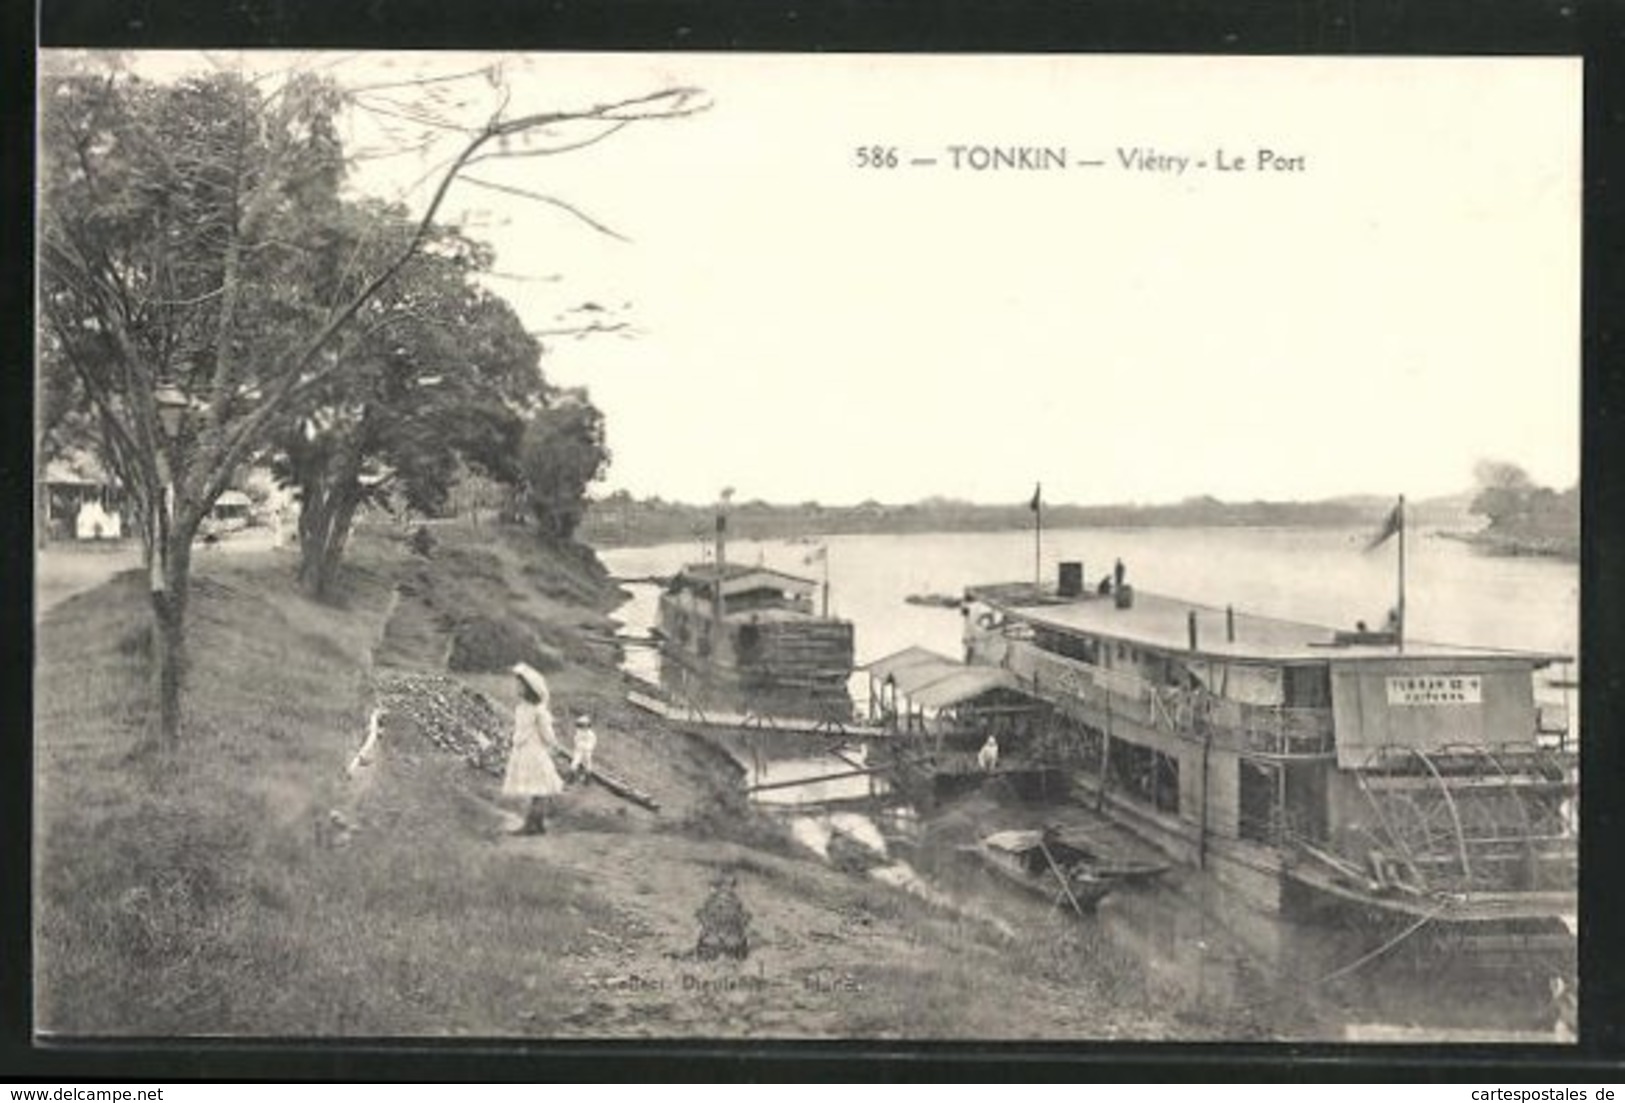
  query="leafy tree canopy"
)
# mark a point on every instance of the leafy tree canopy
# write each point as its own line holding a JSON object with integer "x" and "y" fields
{"x": 564, "y": 452}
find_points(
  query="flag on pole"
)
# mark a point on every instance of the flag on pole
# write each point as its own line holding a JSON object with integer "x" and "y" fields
{"x": 819, "y": 553}
{"x": 1037, "y": 506}
{"x": 1390, "y": 527}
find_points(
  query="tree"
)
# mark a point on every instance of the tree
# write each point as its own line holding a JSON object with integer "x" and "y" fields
{"x": 1519, "y": 510}
{"x": 191, "y": 262}
{"x": 1505, "y": 493}
{"x": 563, "y": 454}
{"x": 440, "y": 387}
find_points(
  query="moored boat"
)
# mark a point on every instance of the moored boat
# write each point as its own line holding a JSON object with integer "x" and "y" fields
{"x": 1317, "y": 773}
{"x": 754, "y": 629}
{"x": 1045, "y": 866}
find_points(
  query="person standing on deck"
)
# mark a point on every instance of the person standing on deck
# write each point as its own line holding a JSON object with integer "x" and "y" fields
{"x": 988, "y": 757}
{"x": 531, "y": 772}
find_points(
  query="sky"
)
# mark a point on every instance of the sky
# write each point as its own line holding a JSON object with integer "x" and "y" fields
{"x": 1391, "y": 299}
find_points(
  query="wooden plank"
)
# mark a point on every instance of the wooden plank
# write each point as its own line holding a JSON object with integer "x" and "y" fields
{"x": 865, "y": 772}
{"x": 647, "y": 703}
{"x": 1061, "y": 877}
{"x": 619, "y": 786}
{"x": 680, "y": 714}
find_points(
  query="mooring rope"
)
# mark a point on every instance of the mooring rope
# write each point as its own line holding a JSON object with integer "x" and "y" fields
{"x": 1379, "y": 951}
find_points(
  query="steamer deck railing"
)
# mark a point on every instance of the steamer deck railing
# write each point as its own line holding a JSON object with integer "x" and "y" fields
{"x": 1188, "y": 713}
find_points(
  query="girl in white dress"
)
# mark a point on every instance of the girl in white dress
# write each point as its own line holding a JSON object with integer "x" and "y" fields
{"x": 531, "y": 772}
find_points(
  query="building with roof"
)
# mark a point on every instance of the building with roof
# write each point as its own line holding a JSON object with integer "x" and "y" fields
{"x": 78, "y": 500}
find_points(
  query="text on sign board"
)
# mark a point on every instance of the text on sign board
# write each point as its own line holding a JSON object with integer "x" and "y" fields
{"x": 1435, "y": 689}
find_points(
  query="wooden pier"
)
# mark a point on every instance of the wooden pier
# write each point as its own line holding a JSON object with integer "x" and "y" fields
{"x": 753, "y": 721}
{"x": 842, "y": 775}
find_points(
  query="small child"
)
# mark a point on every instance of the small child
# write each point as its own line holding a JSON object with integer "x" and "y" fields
{"x": 586, "y": 740}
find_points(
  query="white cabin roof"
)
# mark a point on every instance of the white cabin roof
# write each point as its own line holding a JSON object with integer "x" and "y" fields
{"x": 936, "y": 681}
{"x": 741, "y": 579}
{"x": 1161, "y": 622}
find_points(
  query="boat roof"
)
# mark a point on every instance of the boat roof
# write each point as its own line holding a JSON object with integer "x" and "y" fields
{"x": 899, "y": 661}
{"x": 936, "y": 681}
{"x": 1013, "y": 842}
{"x": 739, "y": 578}
{"x": 772, "y": 615}
{"x": 1161, "y": 622}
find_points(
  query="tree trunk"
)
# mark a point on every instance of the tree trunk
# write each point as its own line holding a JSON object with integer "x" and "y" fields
{"x": 173, "y": 570}
{"x": 324, "y": 529}
{"x": 338, "y": 535}
{"x": 312, "y": 497}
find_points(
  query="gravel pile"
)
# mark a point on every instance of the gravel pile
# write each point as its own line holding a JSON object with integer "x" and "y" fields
{"x": 450, "y": 715}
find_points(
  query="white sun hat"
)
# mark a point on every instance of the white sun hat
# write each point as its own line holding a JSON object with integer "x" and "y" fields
{"x": 532, "y": 678}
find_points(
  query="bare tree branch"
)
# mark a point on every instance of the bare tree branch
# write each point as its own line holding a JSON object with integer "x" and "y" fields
{"x": 229, "y": 283}
{"x": 514, "y": 155}
{"x": 196, "y": 300}
{"x": 552, "y": 277}
{"x": 409, "y": 149}
{"x": 116, "y": 432}
{"x": 553, "y": 200}
{"x": 407, "y": 115}
{"x": 482, "y": 71}
{"x": 683, "y": 102}
{"x": 582, "y": 331}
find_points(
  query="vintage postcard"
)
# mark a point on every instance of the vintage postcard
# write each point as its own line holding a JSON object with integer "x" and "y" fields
{"x": 682, "y": 545}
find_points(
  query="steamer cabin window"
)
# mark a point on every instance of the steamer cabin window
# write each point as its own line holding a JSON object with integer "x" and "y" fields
{"x": 1146, "y": 774}
{"x": 749, "y": 643}
{"x": 1081, "y": 648}
{"x": 1281, "y": 798}
{"x": 1259, "y": 815}
{"x": 1307, "y": 687}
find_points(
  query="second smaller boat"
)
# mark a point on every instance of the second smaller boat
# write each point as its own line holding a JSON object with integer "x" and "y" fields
{"x": 1045, "y": 864}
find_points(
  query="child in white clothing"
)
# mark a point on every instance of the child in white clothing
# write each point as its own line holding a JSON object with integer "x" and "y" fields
{"x": 586, "y": 741}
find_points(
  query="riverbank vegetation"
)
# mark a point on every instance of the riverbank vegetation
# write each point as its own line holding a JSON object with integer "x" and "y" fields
{"x": 214, "y": 296}
{"x": 621, "y": 519}
{"x": 249, "y": 883}
{"x": 1521, "y": 517}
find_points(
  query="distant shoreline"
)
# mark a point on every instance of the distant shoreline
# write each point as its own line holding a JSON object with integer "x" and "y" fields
{"x": 642, "y": 533}
{"x": 1520, "y": 546}
{"x": 628, "y": 523}
{"x": 644, "y": 524}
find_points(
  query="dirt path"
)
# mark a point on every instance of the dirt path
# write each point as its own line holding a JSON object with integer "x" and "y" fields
{"x": 61, "y": 571}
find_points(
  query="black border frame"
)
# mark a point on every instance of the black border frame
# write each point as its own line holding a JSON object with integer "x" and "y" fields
{"x": 1591, "y": 29}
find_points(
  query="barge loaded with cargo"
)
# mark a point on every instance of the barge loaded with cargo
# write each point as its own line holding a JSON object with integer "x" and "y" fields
{"x": 753, "y": 632}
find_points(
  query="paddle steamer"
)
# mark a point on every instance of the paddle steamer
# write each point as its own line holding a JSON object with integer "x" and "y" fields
{"x": 1316, "y": 772}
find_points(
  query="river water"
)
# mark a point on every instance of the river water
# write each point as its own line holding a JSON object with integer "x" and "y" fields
{"x": 1217, "y": 961}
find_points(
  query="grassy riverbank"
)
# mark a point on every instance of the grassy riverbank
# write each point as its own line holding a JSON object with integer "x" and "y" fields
{"x": 245, "y": 883}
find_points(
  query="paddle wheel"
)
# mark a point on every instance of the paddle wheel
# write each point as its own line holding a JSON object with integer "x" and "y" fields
{"x": 1464, "y": 819}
